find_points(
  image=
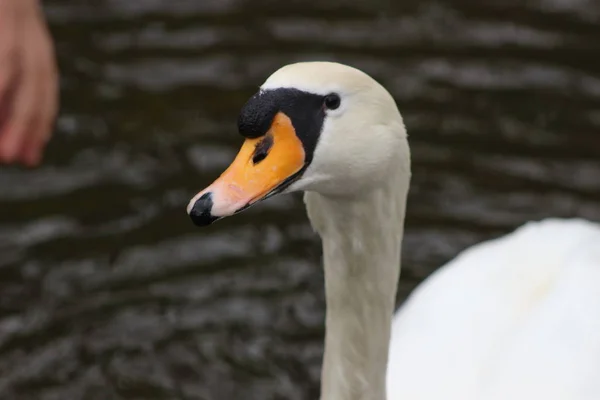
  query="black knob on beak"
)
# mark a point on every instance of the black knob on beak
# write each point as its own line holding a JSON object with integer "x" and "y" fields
{"x": 201, "y": 211}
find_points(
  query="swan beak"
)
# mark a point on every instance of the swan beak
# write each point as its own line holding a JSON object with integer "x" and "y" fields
{"x": 263, "y": 167}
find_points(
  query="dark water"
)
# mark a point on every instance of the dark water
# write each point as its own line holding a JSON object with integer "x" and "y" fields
{"x": 107, "y": 291}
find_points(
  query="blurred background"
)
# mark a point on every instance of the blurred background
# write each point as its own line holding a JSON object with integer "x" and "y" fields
{"x": 107, "y": 290}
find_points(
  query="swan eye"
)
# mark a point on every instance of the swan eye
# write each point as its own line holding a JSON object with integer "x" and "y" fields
{"x": 332, "y": 101}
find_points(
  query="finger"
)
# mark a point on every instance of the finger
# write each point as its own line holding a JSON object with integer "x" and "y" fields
{"x": 7, "y": 44}
{"x": 8, "y": 145}
{"x": 6, "y": 78}
{"x": 43, "y": 123}
{"x": 6, "y": 99}
{"x": 7, "y": 58}
{"x": 21, "y": 118}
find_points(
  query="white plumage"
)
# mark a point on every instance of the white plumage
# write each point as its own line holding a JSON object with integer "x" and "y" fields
{"x": 513, "y": 318}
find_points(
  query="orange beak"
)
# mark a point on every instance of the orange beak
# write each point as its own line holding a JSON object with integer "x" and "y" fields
{"x": 261, "y": 166}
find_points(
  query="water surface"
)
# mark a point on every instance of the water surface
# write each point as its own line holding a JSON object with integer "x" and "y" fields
{"x": 108, "y": 292}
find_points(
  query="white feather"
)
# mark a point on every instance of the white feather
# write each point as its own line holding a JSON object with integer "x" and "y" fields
{"x": 513, "y": 318}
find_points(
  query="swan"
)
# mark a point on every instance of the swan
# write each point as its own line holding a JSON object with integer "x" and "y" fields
{"x": 517, "y": 317}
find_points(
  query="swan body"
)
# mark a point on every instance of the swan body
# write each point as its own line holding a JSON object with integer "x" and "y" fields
{"x": 516, "y": 317}
{"x": 513, "y": 318}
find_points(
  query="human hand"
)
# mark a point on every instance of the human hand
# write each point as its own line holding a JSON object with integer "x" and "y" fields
{"x": 28, "y": 82}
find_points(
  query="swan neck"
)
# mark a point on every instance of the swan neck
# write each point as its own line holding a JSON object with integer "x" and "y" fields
{"x": 361, "y": 247}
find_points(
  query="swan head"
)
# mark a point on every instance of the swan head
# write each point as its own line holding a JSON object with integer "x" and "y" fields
{"x": 313, "y": 126}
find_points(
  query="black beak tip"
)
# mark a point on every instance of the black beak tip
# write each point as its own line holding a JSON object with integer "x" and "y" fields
{"x": 201, "y": 211}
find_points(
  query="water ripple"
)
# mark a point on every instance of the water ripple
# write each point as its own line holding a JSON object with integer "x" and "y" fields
{"x": 107, "y": 290}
